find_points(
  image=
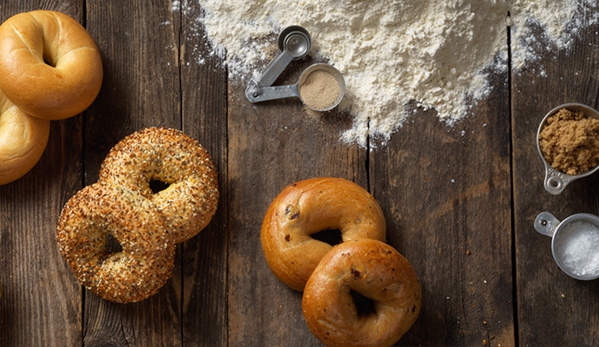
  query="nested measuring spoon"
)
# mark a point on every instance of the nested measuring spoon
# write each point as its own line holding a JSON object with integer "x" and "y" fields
{"x": 294, "y": 43}
{"x": 293, "y": 90}
{"x": 556, "y": 181}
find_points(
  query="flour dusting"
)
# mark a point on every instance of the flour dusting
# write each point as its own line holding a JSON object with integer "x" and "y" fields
{"x": 392, "y": 52}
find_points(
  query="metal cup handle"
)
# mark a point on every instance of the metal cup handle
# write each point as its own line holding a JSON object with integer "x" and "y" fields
{"x": 546, "y": 224}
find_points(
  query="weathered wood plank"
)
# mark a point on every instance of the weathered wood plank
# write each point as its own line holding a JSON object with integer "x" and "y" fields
{"x": 138, "y": 41}
{"x": 41, "y": 304}
{"x": 552, "y": 309}
{"x": 271, "y": 145}
{"x": 446, "y": 193}
{"x": 204, "y": 260}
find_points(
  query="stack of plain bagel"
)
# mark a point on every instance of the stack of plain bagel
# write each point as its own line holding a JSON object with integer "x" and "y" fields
{"x": 337, "y": 280}
{"x": 50, "y": 69}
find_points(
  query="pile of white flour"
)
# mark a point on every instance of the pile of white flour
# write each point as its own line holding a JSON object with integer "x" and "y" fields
{"x": 392, "y": 52}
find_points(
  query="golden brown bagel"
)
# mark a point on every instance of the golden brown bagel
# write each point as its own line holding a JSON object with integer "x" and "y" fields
{"x": 147, "y": 257}
{"x": 50, "y": 66}
{"x": 307, "y": 207}
{"x": 376, "y": 271}
{"x": 22, "y": 141}
{"x": 171, "y": 157}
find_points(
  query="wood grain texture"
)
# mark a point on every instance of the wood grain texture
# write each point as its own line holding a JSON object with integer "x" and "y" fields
{"x": 204, "y": 116}
{"x": 272, "y": 145}
{"x": 568, "y": 305}
{"x": 41, "y": 303}
{"x": 459, "y": 201}
{"x": 450, "y": 215}
{"x": 138, "y": 42}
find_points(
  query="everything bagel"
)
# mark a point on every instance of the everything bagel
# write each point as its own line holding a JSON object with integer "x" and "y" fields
{"x": 147, "y": 257}
{"x": 50, "y": 66}
{"x": 169, "y": 156}
{"x": 307, "y": 207}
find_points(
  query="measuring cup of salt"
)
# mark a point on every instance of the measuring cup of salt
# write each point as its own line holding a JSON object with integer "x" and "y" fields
{"x": 574, "y": 244}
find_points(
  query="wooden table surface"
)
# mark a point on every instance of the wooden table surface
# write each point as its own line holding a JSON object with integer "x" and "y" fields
{"x": 459, "y": 201}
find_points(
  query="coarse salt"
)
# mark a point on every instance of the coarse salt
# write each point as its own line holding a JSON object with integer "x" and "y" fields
{"x": 577, "y": 248}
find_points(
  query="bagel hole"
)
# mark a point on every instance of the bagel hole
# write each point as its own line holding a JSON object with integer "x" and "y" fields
{"x": 364, "y": 305}
{"x": 157, "y": 186}
{"x": 49, "y": 61}
{"x": 113, "y": 245}
{"x": 330, "y": 236}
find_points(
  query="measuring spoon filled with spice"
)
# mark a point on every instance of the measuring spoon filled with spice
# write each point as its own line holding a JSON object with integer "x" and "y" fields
{"x": 568, "y": 143}
{"x": 321, "y": 87}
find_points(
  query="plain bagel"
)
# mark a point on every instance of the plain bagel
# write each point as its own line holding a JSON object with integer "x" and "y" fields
{"x": 22, "y": 141}
{"x": 306, "y": 208}
{"x": 378, "y": 273}
{"x": 50, "y": 66}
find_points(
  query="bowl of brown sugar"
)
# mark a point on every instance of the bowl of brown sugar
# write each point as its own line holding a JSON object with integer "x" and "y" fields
{"x": 568, "y": 143}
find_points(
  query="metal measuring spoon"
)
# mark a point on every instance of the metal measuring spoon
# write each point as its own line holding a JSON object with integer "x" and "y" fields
{"x": 294, "y": 43}
{"x": 556, "y": 181}
{"x": 288, "y": 91}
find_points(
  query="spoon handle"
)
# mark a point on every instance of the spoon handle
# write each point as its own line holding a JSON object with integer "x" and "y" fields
{"x": 272, "y": 93}
{"x": 274, "y": 69}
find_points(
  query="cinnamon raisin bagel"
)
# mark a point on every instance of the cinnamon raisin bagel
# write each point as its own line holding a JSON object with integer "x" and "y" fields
{"x": 306, "y": 208}
{"x": 99, "y": 211}
{"x": 180, "y": 163}
{"x": 376, "y": 272}
{"x": 23, "y": 139}
{"x": 50, "y": 66}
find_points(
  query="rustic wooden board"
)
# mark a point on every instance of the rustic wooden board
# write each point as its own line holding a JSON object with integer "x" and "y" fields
{"x": 204, "y": 258}
{"x": 552, "y": 308}
{"x": 138, "y": 42}
{"x": 446, "y": 192}
{"x": 41, "y": 304}
{"x": 459, "y": 201}
{"x": 272, "y": 145}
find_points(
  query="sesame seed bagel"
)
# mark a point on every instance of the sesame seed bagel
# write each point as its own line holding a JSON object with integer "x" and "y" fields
{"x": 147, "y": 257}
{"x": 189, "y": 201}
{"x": 306, "y": 208}
{"x": 23, "y": 140}
{"x": 50, "y": 66}
{"x": 378, "y": 273}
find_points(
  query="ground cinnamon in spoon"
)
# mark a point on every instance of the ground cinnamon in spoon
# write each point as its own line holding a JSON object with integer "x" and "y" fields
{"x": 570, "y": 142}
{"x": 320, "y": 90}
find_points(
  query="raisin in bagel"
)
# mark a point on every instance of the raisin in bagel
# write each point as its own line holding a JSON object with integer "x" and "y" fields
{"x": 147, "y": 257}
{"x": 306, "y": 208}
{"x": 50, "y": 66}
{"x": 377, "y": 272}
{"x": 189, "y": 201}
{"x": 22, "y": 141}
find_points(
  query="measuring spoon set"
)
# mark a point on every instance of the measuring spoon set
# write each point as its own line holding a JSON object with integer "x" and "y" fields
{"x": 294, "y": 44}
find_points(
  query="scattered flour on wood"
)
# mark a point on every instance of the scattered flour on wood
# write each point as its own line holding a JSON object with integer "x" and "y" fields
{"x": 391, "y": 52}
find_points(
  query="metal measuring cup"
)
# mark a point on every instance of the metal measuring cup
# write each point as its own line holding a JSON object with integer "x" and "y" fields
{"x": 546, "y": 224}
{"x": 556, "y": 181}
{"x": 287, "y": 91}
{"x": 294, "y": 43}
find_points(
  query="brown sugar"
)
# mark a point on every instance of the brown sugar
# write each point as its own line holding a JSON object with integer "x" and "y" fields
{"x": 569, "y": 142}
{"x": 320, "y": 90}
